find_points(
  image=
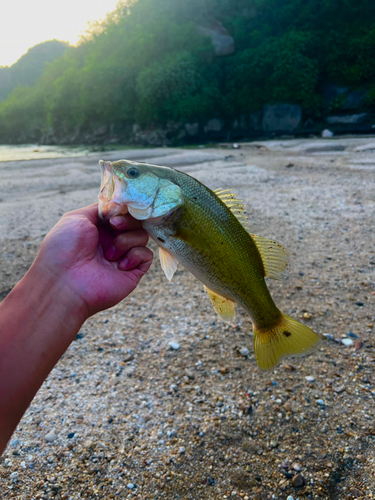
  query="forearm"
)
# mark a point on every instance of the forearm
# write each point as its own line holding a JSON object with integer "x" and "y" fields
{"x": 38, "y": 321}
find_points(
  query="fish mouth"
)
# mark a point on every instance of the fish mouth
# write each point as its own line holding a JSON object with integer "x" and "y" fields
{"x": 110, "y": 196}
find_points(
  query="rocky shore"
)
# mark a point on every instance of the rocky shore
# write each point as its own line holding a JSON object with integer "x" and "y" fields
{"x": 157, "y": 398}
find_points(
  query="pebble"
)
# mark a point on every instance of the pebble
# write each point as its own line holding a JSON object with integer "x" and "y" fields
{"x": 356, "y": 492}
{"x": 14, "y": 477}
{"x": 130, "y": 486}
{"x": 358, "y": 345}
{"x": 347, "y": 342}
{"x": 174, "y": 345}
{"x": 320, "y": 402}
{"x": 310, "y": 379}
{"x": 296, "y": 467}
{"x": 339, "y": 389}
{"x": 298, "y": 481}
{"x": 181, "y": 450}
{"x": 244, "y": 351}
{"x": 290, "y": 497}
{"x": 50, "y": 437}
{"x": 328, "y": 336}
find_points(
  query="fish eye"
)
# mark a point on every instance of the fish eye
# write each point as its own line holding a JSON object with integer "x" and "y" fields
{"x": 132, "y": 172}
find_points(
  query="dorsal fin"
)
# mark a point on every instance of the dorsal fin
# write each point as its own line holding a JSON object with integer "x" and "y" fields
{"x": 235, "y": 205}
{"x": 274, "y": 257}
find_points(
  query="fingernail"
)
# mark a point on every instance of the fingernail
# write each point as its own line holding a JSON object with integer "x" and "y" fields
{"x": 110, "y": 253}
{"x": 117, "y": 221}
{"x": 123, "y": 264}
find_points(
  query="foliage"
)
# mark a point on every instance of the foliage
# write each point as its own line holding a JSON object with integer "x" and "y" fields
{"x": 148, "y": 64}
{"x": 30, "y": 66}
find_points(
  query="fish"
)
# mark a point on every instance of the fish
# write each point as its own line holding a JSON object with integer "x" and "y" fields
{"x": 206, "y": 232}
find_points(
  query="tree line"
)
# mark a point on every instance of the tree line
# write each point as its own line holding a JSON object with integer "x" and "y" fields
{"x": 149, "y": 64}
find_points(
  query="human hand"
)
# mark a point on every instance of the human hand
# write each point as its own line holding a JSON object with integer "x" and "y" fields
{"x": 99, "y": 264}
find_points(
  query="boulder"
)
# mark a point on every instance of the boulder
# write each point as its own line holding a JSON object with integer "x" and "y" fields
{"x": 192, "y": 129}
{"x": 345, "y": 98}
{"x": 214, "y": 125}
{"x": 281, "y": 117}
{"x": 221, "y": 39}
{"x": 348, "y": 119}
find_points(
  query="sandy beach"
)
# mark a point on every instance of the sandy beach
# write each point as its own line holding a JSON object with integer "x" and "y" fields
{"x": 157, "y": 398}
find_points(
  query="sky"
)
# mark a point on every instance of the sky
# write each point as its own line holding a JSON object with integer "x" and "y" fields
{"x": 25, "y": 23}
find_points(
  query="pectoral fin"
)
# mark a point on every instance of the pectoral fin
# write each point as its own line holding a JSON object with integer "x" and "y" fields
{"x": 168, "y": 262}
{"x": 225, "y": 308}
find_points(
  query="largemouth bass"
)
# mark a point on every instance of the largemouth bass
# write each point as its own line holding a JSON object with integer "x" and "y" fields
{"x": 204, "y": 231}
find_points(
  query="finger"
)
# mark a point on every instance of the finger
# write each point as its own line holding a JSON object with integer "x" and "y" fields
{"x": 121, "y": 222}
{"x": 137, "y": 257}
{"x": 124, "y": 242}
{"x": 90, "y": 212}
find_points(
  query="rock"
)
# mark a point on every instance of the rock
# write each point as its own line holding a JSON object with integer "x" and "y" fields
{"x": 181, "y": 450}
{"x": 356, "y": 492}
{"x": 310, "y": 379}
{"x": 347, "y": 342}
{"x": 354, "y": 99}
{"x": 328, "y": 336}
{"x": 14, "y": 477}
{"x": 244, "y": 351}
{"x": 174, "y": 345}
{"x": 214, "y": 125}
{"x": 347, "y": 119}
{"x": 320, "y": 402}
{"x": 221, "y": 40}
{"x": 50, "y": 437}
{"x": 15, "y": 443}
{"x": 298, "y": 481}
{"x": 281, "y": 117}
{"x": 130, "y": 486}
{"x": 296, "y": 467}
{"x": 358, "y": 345}
{"x": 192, "y": 129}
{"x": 71, "y": 435}
{"x": 339, "y": 389}
{"x": 306, "y": 315}
{"x": 327, "y": 133}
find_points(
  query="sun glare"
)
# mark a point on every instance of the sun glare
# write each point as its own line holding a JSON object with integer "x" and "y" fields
{"x": 25, "y": 24}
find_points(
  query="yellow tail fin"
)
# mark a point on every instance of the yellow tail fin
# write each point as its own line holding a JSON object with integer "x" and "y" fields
{"x": 287, "y": 338}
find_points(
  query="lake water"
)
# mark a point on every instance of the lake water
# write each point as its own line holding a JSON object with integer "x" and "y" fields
{"x": 34, "y": 152}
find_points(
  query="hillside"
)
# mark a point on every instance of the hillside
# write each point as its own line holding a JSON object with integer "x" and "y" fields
{"x": 30, "y": 66}
{"x": 162, "y": 71}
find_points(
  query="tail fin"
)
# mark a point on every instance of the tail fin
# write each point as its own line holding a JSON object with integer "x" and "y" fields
{"x": 287, "y": 338}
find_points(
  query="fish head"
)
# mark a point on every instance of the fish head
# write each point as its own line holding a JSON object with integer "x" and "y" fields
{"x": 143, "y": 190}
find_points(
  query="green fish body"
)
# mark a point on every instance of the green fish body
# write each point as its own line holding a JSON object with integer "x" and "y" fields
{"x": 201, "y": 230}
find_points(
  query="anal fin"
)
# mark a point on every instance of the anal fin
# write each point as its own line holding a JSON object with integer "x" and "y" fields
{"x": 225, "y": 308}
{"x": 168, "y": 262}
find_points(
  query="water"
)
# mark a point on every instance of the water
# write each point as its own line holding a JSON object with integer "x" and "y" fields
{"x": 34, "y": 152}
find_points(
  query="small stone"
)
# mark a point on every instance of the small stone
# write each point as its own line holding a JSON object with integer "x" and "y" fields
{"x": 347, "y": 342}
{"x": 326, "y": 133}
{"x": 307, "y": 315}
{"x": 290, "y": 497}
{"x": 358, "y": 345}
{"x": 50, "y": 437}
{"x": 328, "y": 336}
{"x": 310, "y": 379}
{"x": 181, "y": 450}
{"x": 14, "y": 477}
{"x": 174, "y": 346}
{"x": 130, "y": 486}
{"x": 296, "y": 467}
{"x": 298, "y": 481}
{"x": 320, "y": 402}
{"x": 274, "y": 444}
{"x": 244, "y": 351}
{"x": 15, "y": 443}
{"x": 356, "y": 492}
{"x": 71, "y": 435}
{"x": 339, "y": 389}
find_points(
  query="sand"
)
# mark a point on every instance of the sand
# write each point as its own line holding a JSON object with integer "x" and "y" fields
{"x": 157, "y": 398}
